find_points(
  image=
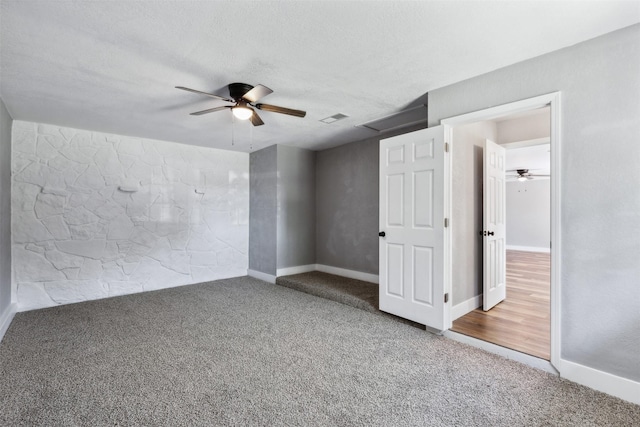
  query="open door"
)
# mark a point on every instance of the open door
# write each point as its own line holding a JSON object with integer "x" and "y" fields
{"x": 412, "y": 226}
{"x": 494, "y": 230}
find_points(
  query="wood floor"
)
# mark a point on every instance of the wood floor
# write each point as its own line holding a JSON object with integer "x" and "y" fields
{"x": 522, "y": 321}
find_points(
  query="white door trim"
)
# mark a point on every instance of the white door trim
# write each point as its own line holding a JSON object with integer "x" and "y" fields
{"x": 553, "y": 100}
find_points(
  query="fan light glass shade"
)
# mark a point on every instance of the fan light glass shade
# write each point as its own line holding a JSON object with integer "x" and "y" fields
{"x": 242, "y": 113}
{"x": 522, "y": 179}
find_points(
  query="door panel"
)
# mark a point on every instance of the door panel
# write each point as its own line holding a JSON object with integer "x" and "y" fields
{"x": 422, "y": 199}
{"x": 412, "y": 217}
{"x": 395, "y": 207}
{"x": 395, "y": 261}
{"x": 494, "y": 230}
{"x": 423, "y": 275}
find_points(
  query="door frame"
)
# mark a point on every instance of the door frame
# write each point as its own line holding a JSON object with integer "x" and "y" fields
{"x": 554, "y": 101}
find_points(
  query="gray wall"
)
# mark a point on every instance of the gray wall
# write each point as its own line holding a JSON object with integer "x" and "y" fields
{"x": 347, "y": 206}
{"x": 600, "y": 84}
{"x": 5, "y": 209}
{"x": 296, "y": 235}
{"x": 282, "y": 209}
{"x": 262, "y": 210}
{"x": 466, "y": 209}
{"x": 347, "y": 199}
{"x": 529, "y": 213}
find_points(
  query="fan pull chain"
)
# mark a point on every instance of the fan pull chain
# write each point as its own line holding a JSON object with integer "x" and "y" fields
{"x": 251, "y": 138}
{"x": 233, "y": 128}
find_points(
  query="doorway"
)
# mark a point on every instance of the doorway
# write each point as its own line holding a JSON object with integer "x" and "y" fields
{"x": 529, "y": 311}
{"x": 520, "y": 318}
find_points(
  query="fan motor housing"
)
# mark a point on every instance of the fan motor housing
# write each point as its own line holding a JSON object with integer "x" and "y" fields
{"x": 237, "y": 90}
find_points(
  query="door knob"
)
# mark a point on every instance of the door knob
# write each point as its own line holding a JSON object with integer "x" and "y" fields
{"x": 382, "y": 234}
{"x": 490, "y": 233}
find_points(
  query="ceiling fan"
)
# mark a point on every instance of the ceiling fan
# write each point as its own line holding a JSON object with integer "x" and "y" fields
{"x": 523, "y": 175}
{"x": 244, "y": 97}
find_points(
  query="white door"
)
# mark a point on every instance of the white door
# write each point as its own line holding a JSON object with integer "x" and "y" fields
{"x": 494, "y": 251}
{"x": 412, "y": 221}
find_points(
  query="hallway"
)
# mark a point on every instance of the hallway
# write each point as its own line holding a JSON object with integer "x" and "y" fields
{"x": 522, "y": 321}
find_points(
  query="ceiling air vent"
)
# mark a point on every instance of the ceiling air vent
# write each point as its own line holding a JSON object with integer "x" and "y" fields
{"x": 334, "y": 118}
{"x": 412, "y": 116}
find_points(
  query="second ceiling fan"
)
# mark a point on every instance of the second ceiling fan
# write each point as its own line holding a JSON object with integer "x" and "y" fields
{"x": 244, "y": 97}
{"x": 524, "y": 175}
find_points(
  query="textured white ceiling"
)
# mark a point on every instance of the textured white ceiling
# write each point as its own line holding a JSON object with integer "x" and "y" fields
{"x": 111, "y": 66}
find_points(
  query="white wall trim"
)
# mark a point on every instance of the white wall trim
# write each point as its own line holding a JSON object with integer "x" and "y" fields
{"x": 352, "y": 274}
{"x": 614, "y": 385}
{"x": 6, "y": 319}
{"x": 262, "y": 276}
{"x": 528, "y": 249}
{"x": 465, "y": 307}
{"x": 556, "y": 242}
{"x": 501, "y": 110}
{"x": 295, "y": 270}
{"x": 534, "y": 362}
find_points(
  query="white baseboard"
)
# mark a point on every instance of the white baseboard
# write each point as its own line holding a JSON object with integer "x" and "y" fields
{"x": 614, "y": 385}
{"x": 534, "y": 362}
{"x": 465, "y": 307}
{"x": 295, "y": 270}
{"x": 528, "y": 249}
{"x": 352, "y": 274}
{"x": 262, "y": 276}
{"x": 6, "y": 318}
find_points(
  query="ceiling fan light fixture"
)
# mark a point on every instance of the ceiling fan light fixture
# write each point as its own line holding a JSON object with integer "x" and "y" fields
{"x": 522, "y": 178}
{"x": 242, "y": 112}
{"x": 245, "y": 96}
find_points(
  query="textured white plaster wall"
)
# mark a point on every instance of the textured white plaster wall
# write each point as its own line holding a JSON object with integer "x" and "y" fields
{"x": 96, "y": 215}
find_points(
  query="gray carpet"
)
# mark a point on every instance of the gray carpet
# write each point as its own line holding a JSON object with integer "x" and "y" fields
{"x": 352, "y": 292}
{"x": 243, "y": 352}
{"x": 356, "y": 293}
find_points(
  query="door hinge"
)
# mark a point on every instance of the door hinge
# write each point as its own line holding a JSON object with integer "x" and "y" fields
{"x": 446, "y": 222}
{"x": 446, "y": 298}
{"x": 446, "y": 147}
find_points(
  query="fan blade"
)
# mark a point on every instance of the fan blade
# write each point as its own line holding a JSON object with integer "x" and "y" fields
{"x": 205, "y": 93}
{"x": 255, "y": 119}
{"x": 210, "y": 110}
{"x": 256, "y": 93}
{"x": 282, "y": 110}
